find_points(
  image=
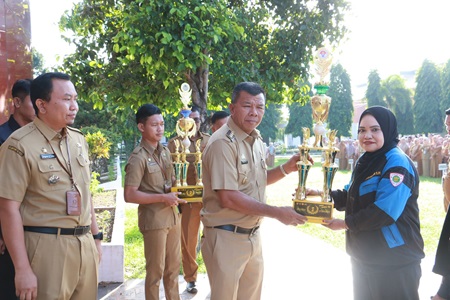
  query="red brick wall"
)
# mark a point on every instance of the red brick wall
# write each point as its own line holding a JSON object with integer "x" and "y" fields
{"x": 15, "y": 49}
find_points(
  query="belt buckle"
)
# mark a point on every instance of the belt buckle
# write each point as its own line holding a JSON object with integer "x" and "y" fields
{"x": 79, "y": 230}
{"x": 253, "y": 230}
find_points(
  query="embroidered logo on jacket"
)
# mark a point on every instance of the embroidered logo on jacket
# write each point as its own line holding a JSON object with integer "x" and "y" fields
{"x": 396, "y": 178}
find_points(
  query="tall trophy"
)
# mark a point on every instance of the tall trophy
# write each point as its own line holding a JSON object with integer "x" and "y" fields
{"x": 318, "y": 208}
{"x": 185, "y": 129}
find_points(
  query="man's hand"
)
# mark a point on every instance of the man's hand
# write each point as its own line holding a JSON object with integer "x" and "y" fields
{"x": 288, "y": 216}
{"x": 171, "y": 199}
{"x": 26, "y": 284}
{"x": 98, "y": 244}
{"x": 335, "y": 224}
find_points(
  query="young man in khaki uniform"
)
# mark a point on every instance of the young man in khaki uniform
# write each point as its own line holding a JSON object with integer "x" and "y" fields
{"x": 234, "y": 202}
{"x": 45, "y": 204}
{"x": 149, "y": 177}
{"x": 190, "y": 212}
{"x": 218, "y": 119}
{"x": 22, "y": 115}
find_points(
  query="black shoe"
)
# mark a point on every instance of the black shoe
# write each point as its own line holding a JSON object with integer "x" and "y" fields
{"x": 191, "y": 288}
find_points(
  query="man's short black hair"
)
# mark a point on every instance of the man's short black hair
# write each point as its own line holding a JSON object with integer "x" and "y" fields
{"x": 145, "y": 111}
{"x": 42, "y": 87}
{"x": 21, "y": 88}
{"x": 447, "y": 112}
{"x": 250, "y": 87}
{"x": 219, "y": 115}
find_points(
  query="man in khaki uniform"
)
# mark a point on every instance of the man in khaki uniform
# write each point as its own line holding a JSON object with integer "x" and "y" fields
{"x": 218, "y": 119}
{"x": 190, "y": 212}
{"x": 149, "y": 177}
{"x": 45, "y": 204}
{"x": 22, "y": 115}
{"x": 234, "y": 202}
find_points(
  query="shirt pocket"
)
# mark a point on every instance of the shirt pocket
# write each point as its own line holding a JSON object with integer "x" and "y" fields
{"x": 52, "y": 177}
{"x": 154, "y": 175}
{"x": 85, "y": 171}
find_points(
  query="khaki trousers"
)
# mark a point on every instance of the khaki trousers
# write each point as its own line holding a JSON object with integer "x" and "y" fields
{"x": 66, "y": 266}
{"x": 234, "y": 264}
{"x": 190, "y": 225}
{"x": 162, "y": 256}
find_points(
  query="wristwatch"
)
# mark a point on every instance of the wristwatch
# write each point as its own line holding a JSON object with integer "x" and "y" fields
{"x": 98, "y": 236}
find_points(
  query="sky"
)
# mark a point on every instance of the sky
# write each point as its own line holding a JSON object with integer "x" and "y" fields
{"x": 391, "y": 36}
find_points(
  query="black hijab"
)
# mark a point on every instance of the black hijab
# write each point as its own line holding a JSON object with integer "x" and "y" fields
{"x": 388, "y": 125}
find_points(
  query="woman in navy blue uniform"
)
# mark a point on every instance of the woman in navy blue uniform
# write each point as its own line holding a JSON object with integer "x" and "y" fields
{"x": 381, "y": 214}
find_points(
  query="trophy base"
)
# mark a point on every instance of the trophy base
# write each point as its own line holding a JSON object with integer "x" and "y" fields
{"x": 190, "y": 193}
{"x": 314, "y": 211}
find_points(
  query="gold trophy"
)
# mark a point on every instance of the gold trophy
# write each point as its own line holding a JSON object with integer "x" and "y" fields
{"x": 318, "y": 208}
{"x": 185, "y": 129}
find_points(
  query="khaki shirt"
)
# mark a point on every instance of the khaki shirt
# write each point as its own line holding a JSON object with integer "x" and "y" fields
{"x": 233, "y": 160}
{"x": 143, "y": 171}
{"x": 35, "y": 159}
{"x": 191, "y": 158}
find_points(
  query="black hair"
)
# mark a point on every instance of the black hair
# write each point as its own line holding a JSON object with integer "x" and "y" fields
{"x": 219, "y": 115}
{"x": 145, "y": 111}
{"x": 21, "y": 88}
{"x": 250, "y": 87}
{"x": 42, "y": 87}
{"x": 447, "y": 112}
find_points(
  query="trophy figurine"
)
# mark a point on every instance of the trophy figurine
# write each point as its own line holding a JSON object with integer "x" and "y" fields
{"x": 185, "y": 129}
{"x": 318, "y": 208}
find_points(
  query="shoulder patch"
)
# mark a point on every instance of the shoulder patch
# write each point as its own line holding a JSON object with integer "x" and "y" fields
{"x": 75, "y": 130}
{"x": 396, "y": 178}
{"x": 230, "y": 135}
{"x": 137, "y": 149}
{"x": 23, "y": 131}
{"x": 15, "y": 150}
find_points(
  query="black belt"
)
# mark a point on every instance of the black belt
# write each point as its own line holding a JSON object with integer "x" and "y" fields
{"x": 237, "y": 229}
{"x": 79, "y": 230}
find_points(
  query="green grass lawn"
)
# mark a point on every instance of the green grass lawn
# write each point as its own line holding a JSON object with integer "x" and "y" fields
{"x": 280, "y": 194}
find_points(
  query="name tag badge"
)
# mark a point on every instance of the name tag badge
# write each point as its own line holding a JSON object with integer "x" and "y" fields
{"x": 48, "y": 156}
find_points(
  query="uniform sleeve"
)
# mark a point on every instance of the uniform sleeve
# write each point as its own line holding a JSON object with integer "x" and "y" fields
{"x": 392, "y": 194}
{"x": 134, "y": 171}
{"x": 220, "y": 159}
{"x": 15, "y": 168}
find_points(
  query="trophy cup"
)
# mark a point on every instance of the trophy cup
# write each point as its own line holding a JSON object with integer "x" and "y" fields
{"x": 318, "y": 208}
{"x": 185, "y": 129}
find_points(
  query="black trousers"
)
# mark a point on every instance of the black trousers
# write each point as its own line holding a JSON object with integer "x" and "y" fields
{"x": 444, "y": 289}
{"x": 7, "y": 287}
{"x": 389, "y": 283}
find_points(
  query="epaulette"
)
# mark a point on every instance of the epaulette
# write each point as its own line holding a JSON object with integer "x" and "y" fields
{"x": 137, "y": 149}
{"x": 23, "y": 131}
{"x": 75, "y": 129}
{"x": 230, "y": 135}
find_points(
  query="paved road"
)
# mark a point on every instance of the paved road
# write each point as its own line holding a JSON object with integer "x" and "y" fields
{"x": 297, "y": 266}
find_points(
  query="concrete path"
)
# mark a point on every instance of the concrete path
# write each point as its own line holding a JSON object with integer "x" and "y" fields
{"x": 297, "y": 266}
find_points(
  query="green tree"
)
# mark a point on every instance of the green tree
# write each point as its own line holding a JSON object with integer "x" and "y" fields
{"x": 341, "y": 108}
{"x": 445, "y": 104}
{"x": 300, "y": 115}
{"x": 374, "y": 93}
{"x": 38, "y": 62}
{"x": 399, "y": 101}
{"x": 130, "y": 52}
{"x": 427, "y": 114}
{"x": 270, "y": 123}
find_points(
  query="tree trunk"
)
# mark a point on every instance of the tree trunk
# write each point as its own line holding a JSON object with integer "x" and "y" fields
{"x": 199, "y": 85}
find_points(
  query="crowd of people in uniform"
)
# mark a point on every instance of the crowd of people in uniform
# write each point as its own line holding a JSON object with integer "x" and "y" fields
{"x": 52, "y": 245}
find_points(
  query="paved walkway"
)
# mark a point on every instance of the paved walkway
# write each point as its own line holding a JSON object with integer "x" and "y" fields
{"x": 297, "y": 266}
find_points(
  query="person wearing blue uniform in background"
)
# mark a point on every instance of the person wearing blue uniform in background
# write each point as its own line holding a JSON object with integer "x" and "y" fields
{"x": 381, "y": 214}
